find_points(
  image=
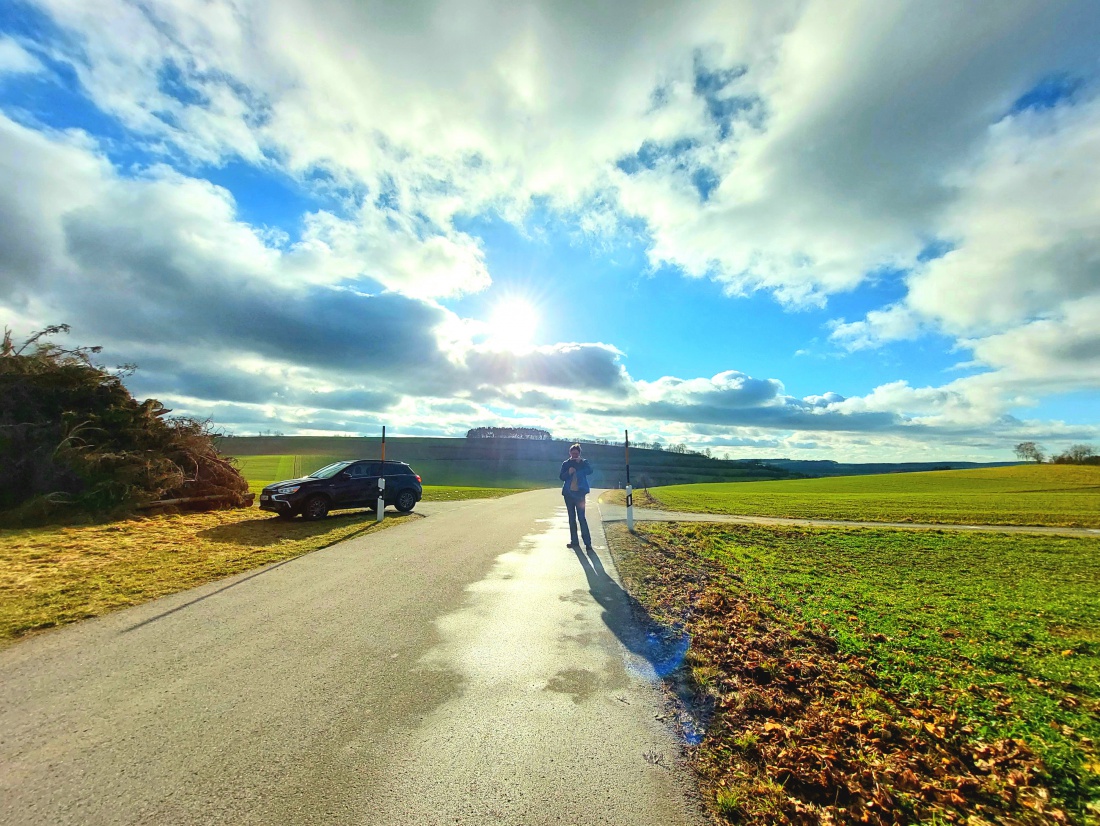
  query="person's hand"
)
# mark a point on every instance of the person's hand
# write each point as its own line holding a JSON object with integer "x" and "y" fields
{"x": 572, "y": 470}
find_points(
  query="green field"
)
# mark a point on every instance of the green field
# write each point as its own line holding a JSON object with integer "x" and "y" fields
{"x": 499, "y": 463}
{"x": 1062, "y": 495}
{"x": 885, "y": 674}
{"x": 263, "y": 470}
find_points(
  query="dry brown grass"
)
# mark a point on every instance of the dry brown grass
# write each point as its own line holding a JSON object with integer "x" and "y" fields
{"x": 57, "y": 575}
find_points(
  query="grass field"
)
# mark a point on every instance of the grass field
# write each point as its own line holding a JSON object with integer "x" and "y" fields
{"x": 57, "y": 575}
{"x": 884, "y": 675}
{"x": 263, "y": 470}
{"x": 54, "y": 576}
{"x": 1062, "y": 495}
{"x": 507, "y": 463}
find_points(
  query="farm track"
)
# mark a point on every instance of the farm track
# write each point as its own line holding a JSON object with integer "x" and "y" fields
{"x": 617, "y": 513}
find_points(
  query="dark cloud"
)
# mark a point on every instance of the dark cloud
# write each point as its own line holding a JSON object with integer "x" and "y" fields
{"x": 168, "y": 292}
{"x": 568, "y": 366}
{"x": 733, "y": 399}
{"x": 210, "y": 382}
{"x": 793, "y": 415}
{"x": 351, "y": 399}
{"x": 537, "y": 400}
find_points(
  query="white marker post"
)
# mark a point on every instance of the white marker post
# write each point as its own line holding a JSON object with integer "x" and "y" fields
{"x": 382, "y": 481}
{"x": 629, "y": 490}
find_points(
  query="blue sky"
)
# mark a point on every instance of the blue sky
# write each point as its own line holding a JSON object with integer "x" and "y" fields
{"x": 768, "y": 229}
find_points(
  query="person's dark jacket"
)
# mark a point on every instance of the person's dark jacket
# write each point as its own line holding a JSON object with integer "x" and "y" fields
{"x": 583, "y": 471}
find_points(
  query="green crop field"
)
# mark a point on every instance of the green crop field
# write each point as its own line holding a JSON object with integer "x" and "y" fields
{"x": 493, "y": 463}
{"x": 884, "y": 675}
{"x": 511, "y": 475}
{"x": 1062, "y": 495}
{"x": 263, "y": 470}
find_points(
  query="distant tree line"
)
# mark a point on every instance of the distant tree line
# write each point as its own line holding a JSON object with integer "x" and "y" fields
{"x": 1073, "y": 455}
{"x": 509, "y": 433}
{"x": 544, "y": 435}
{"x": 657, "y": 444}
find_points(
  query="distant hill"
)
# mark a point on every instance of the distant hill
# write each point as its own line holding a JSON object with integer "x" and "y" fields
{"x": 507, "y": 462}
{"x": 495, "y": 462}
{"x": 825, "y": 467}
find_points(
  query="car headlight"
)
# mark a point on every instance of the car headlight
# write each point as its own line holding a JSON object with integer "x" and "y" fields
{"x": 292, "y": 489}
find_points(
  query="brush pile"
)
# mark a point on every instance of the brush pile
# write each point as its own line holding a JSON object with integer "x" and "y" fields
{"x": 74, "y": 444}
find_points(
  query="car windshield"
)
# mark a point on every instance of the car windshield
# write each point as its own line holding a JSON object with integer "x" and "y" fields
{"x": 328, "y": 471}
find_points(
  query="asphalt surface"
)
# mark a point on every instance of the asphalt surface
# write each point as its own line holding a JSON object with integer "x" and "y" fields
{"x": 464, "y": 668}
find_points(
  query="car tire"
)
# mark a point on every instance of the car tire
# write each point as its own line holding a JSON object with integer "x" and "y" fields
{"x": 316, "y": 507}
{"x": 406, "y": 500}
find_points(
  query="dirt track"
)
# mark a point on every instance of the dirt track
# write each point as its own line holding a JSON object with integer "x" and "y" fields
{"x": 617, "y": 513}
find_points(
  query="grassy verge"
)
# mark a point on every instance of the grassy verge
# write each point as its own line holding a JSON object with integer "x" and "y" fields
{"x": 884, "y": 676}
{"x": 436, "y": 493}
{"x": 54, "y": 576}
{"x": 1055, "y": 495}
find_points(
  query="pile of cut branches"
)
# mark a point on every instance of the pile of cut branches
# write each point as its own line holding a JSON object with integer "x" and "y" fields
{"x": 75, "y": 444}
{"x": 799, "y": 733}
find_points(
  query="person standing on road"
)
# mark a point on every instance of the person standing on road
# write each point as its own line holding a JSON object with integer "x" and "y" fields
{"x": 574, "y": 473}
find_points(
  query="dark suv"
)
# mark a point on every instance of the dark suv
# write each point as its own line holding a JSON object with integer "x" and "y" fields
{"x": 351, "y": 484}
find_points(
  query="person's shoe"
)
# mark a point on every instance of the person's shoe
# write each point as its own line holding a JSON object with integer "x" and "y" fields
{"x": 590, "y": 549}
{"x": 574, "y": 546}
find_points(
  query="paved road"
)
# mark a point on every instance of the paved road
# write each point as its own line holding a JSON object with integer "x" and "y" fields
{"x": 465, "y": 668}
{"x": 617, "y": 513}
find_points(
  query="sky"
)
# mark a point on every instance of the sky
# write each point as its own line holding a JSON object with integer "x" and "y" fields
{"x": 830, "y": 229}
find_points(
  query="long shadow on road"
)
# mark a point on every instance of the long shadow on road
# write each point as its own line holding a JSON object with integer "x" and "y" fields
{"x": 661, "y": 647}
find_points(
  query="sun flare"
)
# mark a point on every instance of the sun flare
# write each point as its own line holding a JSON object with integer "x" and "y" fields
{"x": 513, "y": 324}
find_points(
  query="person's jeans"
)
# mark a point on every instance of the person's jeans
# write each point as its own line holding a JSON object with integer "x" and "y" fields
{"x": 576, "y": 514}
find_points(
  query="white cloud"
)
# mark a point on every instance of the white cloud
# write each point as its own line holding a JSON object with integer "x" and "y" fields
{"x": 1025, "y": 225}
{"x": 390, "y": 249}
{"x": 14, "y": 59}
{"x": 792, "y": 147}
{"x": 1048, "y": 355}
{"x": 856, "y": 116}
{"x": 1021, "y": 288}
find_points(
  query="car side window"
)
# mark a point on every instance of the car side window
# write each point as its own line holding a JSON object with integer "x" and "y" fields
{"x": 359, "y": 471}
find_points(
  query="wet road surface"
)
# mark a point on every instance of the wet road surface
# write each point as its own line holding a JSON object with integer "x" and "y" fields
{"x": 465, "y": 668}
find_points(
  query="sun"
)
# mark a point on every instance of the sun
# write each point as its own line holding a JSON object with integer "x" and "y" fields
{"x": 512, "y": 324}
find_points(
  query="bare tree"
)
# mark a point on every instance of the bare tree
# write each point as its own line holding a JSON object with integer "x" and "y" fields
{"x": 1029, "y": 452}
{"x": 1076, "y": 455}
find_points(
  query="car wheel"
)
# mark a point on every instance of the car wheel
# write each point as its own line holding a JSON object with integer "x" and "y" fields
{"x": 406, "y": 501}
{"x": 316, "y": 507}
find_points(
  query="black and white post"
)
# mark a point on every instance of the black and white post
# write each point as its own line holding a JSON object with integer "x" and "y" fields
{"x": 629, "y": 490}
{"x": 382, "y": 481}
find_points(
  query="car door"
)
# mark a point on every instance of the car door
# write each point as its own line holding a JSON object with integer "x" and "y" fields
{"x": 353, "y": 485}
{"x": 396, "y": 480}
